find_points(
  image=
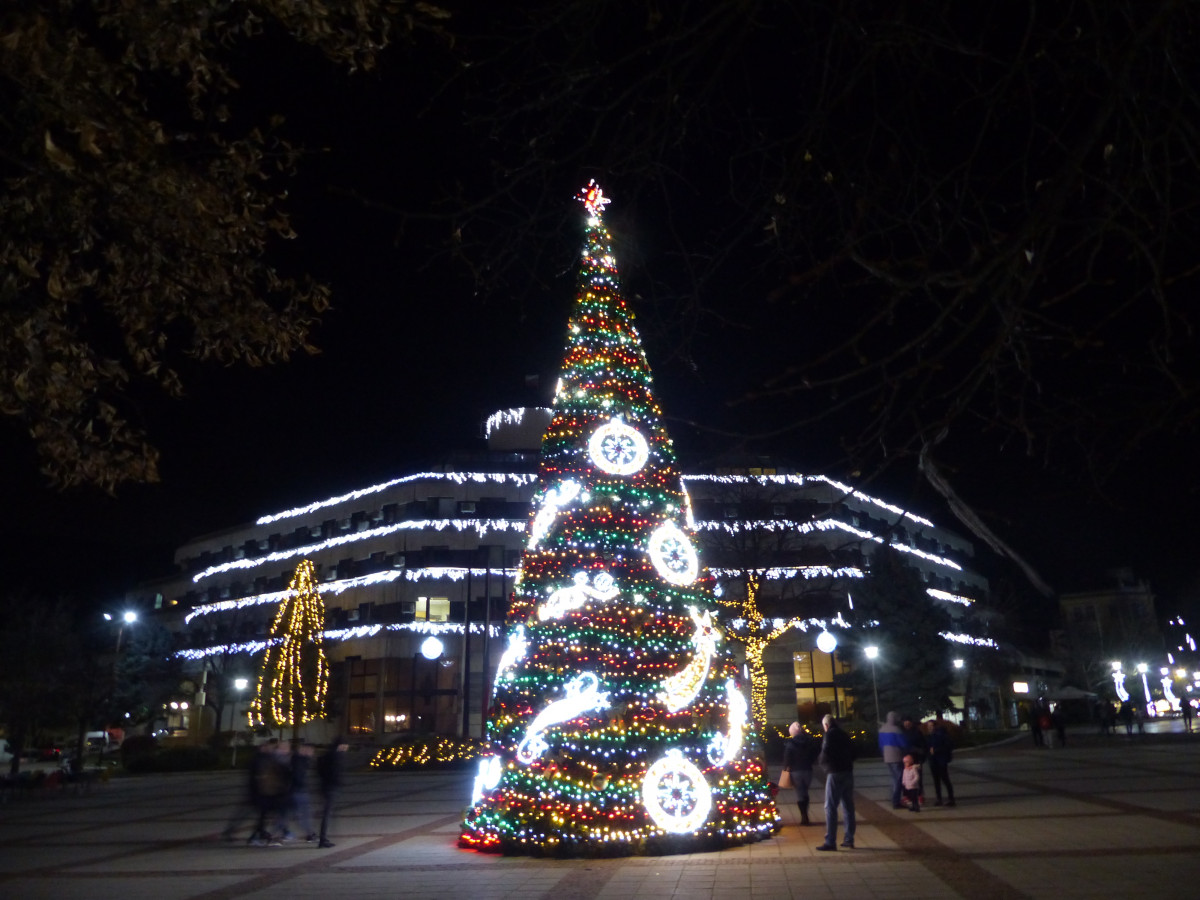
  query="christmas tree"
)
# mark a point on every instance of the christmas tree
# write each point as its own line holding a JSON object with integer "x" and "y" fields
{"x": 294, "y": 676}
{"x": 618, "y": 722}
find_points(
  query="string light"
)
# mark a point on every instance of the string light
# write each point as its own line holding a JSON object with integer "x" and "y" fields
{"x": 800, "y": 480}
{"x": 358, "y": 632}
{"x": 456, "y": 477}
{"x": 294, "y": 676}
{"x": 481, "y": 527}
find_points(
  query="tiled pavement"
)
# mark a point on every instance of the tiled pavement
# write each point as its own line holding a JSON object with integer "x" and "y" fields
{"x": 1113, "y": 816}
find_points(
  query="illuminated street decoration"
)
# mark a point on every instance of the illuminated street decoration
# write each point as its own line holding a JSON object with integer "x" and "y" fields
{"x": 1118, "y": 678}
{"x": 617, "y": 449}
{"x": 1168, "y": 687}
{"x": 673, "y": 555}
{"x": 336, "y": 635}
{"x": 293, "y": 677}
{"x": 481, "y": 478}
{"x": 583, "y": 694}
{"x": 514, "y": 652}
{"x": 681, "y": 688}
{"x": 554, "y": 500}
{"x": 566, "y": 599}
{"x": 481, "y": 527}
{"x": 490, "y": 770}
{"x": 676, "y": 794}
{"x": 726, "y": 747}
{"x": 800, "y": 481}
{"x": 623, "y": 688}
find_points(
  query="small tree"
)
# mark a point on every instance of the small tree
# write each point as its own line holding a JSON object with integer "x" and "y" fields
{"x": 294, "y": 677}
{"x": 755, "y": 630}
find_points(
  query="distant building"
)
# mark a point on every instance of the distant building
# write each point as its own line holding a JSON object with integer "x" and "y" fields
{"x": 434, "y": 554}
{"x": 1115, "y": 623}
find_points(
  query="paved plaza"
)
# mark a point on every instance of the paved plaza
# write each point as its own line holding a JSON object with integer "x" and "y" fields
{"x": 1112, "y": 816}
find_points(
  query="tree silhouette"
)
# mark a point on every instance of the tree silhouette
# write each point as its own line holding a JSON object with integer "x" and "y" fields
{"x": 959, "y": 235}
{"x": 139, "y": 203}
{"x": 913, "y": 672}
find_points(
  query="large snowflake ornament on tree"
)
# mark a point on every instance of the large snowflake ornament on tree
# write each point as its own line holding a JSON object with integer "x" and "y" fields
{"x": 618, "y": 724}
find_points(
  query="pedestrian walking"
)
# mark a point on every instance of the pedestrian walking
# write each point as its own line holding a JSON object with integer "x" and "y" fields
{"x": 300, "y": 812}
{"x": 800, "y": 751}
{"x": 1059, "y": 721}
{"x": 837, "y": 756}
{"x": 892, "y": 746}
{"x": 1186, "y": 708}
{"x": 941, "y": 751}
{"x": 329, "y": 771}
{"x": 1127, "y": 716}
{"x": 272, "y": 782}
{"x": 1035, "y": 726}
{"x": 247, "y": 809}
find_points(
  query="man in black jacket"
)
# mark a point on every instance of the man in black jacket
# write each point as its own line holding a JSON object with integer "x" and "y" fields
{"x": 837, "y": 756}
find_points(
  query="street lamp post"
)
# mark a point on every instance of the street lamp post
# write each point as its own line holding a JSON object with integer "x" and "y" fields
{"x": 873, "y": 652}
{"x": 239, "y": 685}
{"x": 127, "y": 618}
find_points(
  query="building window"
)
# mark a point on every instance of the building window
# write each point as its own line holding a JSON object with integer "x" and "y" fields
{"x": 361, "y": 713}
{"x": 816, "y": 691}
{"x": 433, "y": 609}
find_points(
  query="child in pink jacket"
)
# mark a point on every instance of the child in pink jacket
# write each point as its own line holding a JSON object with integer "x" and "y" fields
{"x": 911, "y": 779}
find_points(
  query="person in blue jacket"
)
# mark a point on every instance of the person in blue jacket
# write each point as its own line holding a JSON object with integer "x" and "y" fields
{"x": 893, "y": 746}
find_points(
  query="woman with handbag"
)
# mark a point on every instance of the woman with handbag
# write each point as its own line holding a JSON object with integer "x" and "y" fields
{"x": 799, "y": 753}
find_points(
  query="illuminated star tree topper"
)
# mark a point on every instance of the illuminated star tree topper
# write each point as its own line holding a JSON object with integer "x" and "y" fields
{"x": 593, "y": 199}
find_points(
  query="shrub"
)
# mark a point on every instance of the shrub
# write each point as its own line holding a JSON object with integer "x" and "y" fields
{"x": 175, "y": 759}
{"x": 137, "y": 747}
{"x": 428, "y": 752}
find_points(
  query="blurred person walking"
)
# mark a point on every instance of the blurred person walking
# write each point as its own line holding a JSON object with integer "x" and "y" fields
{"x": 329, "y": 770}
{"x": 300, "y": 811}
{"x": 272, "y": 781}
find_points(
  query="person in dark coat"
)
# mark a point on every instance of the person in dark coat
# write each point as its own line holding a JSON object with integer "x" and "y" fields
{"x": 941, "y": 751}
{"x": 800, "y": 751}
{"x": 1127, "y": 716}
{"x": 300, "y": 812}
{"x": 248, "y": 807}
{"x": 271, "y": 784}
{"x": 329, "y": 770}
{"x": 1035, "y": 726}
{"x": 1059, "y": 721}
{"x": 837, "y": 756}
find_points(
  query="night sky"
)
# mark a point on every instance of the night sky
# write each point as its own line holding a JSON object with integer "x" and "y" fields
{"x": 415, "y": 354}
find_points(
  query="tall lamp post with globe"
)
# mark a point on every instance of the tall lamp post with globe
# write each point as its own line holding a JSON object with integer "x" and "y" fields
{"x": 128, "y": 617}
{"x": 872, "y": 652}
{"x": 239, "y": 685}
